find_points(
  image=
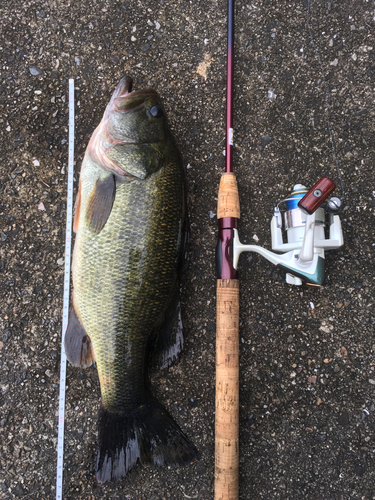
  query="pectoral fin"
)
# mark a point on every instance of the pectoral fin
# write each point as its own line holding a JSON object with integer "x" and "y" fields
{"x": 100, "y": 202}
{"x": 78, "y": 348}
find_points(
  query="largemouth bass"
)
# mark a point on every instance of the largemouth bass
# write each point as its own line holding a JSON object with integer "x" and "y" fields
{"x": 131, "y": 230}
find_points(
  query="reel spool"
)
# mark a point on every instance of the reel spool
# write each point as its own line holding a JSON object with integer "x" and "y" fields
{"x": 299, "y": 234}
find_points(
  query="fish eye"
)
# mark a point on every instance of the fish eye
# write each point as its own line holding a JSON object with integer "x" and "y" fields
{"x": 156, "y": 111}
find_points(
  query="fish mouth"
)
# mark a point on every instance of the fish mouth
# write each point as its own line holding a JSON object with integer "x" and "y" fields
{"x": 124, "y": 87}
{"x": 124, "y": 99}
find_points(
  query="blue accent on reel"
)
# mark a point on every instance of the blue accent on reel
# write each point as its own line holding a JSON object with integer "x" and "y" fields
{"x": 294, "y": 198}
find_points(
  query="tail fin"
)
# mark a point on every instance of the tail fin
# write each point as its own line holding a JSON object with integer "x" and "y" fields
{"x": 148, "y": 433}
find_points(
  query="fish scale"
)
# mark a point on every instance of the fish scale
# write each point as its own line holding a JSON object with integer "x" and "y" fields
{"x": 101, "y": 313}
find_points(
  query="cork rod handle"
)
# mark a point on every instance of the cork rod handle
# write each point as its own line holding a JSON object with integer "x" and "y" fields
{"x": 227, "y": 361}
{"x": 227, "y": 390}
{"x": 228, "y": 201}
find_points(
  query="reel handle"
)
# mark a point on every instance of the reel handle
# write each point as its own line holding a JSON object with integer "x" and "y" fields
{"x": 317, "y": 195}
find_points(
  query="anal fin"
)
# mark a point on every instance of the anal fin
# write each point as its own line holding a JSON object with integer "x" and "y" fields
{"x": 78, "y": 347}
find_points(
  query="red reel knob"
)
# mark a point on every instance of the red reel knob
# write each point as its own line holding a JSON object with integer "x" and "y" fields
{"x": 317, "y": 195}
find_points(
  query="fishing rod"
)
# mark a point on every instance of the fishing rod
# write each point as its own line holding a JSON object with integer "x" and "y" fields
{"x": 301, "y": 256}
{"x": 227, "y": 309}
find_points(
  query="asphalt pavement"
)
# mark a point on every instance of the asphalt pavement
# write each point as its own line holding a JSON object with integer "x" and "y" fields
{"x": 307, "y": 365}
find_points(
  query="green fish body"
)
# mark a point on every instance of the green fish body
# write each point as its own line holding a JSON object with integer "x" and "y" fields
{"x": 131, "y": 231}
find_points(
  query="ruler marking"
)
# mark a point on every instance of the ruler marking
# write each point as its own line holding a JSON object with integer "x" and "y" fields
{"x": 68, "y": 233}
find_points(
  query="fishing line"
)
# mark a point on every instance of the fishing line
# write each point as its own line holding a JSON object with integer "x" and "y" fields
{"x": 68, "y": 245}
{"x": 326, "y": 99}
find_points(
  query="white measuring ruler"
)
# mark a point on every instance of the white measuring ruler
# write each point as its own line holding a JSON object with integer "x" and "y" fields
{"x": 68, "y": 246}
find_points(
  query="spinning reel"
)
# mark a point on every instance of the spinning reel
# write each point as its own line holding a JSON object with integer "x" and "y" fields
{"x": 302, "y": 247}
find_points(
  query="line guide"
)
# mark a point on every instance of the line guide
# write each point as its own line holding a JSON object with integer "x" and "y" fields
{"x": 68, "y": 246}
